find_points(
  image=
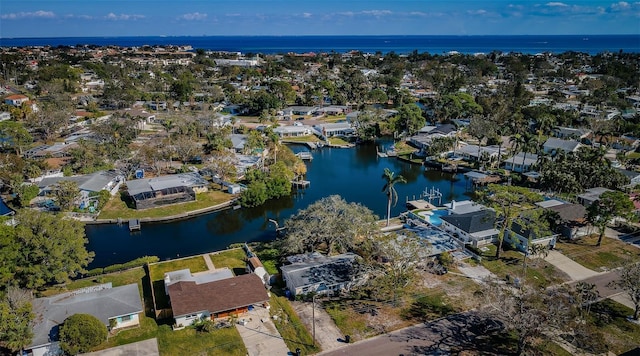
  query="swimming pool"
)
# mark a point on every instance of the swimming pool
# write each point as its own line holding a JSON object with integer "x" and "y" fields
{"x": 433, "y": 216}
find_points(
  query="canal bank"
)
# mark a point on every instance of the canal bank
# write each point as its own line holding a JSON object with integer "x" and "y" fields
{"x": 355, "y": 174}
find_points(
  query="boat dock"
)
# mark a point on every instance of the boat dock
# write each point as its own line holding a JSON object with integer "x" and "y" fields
{"x": 305, "y": 156}
{"x": 300, "y": 184}
{"x": 134, "y": 225}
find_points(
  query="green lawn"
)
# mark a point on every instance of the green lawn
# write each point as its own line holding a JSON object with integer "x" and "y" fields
{"x": 134, "y": 275}
{"x": 620, "y": 334}
{"x": 611, "y": 254}
{"x": 539, "y": 272}
{"x": 310, "y": 138}
{"x": 188, "y": 341}
{"x": 117, "y": 207}
{"x": 338, "y": 141}
{"x": 233, "y": 259}
{"x": 294, "y": 333}
{"x": 349, "y": 321}
{"x": 268, "y": 255}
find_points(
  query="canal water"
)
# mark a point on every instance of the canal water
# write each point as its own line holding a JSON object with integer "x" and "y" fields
{"x": 355, "y": 174}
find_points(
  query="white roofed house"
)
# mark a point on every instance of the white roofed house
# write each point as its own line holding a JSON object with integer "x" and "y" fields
{"x": 553, "y": 145}
{"x": 115, "y": 307}
{"x": 521, "y": 163}
{"x": 88, "y": 184}
{"x": 316, "y": 273}
{"x": 335, "y": 129}
{"x": 293, "y": 131}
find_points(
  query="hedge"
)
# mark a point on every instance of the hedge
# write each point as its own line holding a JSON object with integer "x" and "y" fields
{"x": 141, "y": 261}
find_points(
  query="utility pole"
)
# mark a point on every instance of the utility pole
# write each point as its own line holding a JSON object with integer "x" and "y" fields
{"x": 313, "y": 317}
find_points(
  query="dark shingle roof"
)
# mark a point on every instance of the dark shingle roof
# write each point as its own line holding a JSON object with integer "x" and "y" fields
{"x": 218, "y": 296}
{"x": 472, "y": 222}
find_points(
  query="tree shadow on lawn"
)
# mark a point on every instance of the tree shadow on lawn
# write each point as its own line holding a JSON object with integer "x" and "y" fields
{"x": 457, "y": 333}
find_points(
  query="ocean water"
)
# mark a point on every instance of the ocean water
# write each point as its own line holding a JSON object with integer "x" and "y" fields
{"x": 591, "y": 44}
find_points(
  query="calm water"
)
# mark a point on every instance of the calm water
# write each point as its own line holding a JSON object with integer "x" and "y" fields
{"x": 355, "y": 174}
{"x": 591, "y": 44}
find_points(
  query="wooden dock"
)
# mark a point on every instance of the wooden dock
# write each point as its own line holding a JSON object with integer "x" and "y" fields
{"x": 300, "y": 184}
{"x": 134, "y": 225}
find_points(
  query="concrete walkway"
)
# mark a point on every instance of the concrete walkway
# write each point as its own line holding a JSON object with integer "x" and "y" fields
{"x": 207, "y": 260}
{"x": 574, "y": 270}
{"x": 260, "y": 335}
{"x": 477, "y": 273}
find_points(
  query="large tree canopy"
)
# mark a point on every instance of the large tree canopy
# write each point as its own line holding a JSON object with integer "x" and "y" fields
{"x": 81, "y": 332}
{"x": 330, "y": 224}
{"x": 15, "y": 320}
{"x": 43, "y": 248}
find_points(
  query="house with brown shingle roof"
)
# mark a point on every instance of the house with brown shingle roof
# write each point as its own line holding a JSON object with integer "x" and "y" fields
{"x": 191, "y": 301}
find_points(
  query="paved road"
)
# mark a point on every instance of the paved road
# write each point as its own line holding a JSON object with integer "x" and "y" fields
{"x": 448, "y": 336}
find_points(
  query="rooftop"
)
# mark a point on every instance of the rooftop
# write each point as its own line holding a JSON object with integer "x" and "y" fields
{"x": 217, "y": 296}
{"x": 314, "y": 268}
{"x": 104, "y": 304}
{"x": 138, "y": 186}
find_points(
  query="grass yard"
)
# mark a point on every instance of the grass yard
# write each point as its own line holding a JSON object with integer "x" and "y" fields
{"x": 611, "y": 254}
{"x": 268, "y": 255}
{"x": 310, "y": 138}
{"x": 292, "y": 330}
{"x": 338, "y": 141}
{"x": 620, "y": 335}
{"x": 233, "y": 259}
{"x": 117, "y": 207}
{"x": 188, "y": 341}
{"x": 134, "y": 275}
{"x": 157, "y": 271}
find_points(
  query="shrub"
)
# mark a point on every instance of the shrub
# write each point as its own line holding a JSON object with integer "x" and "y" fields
{"x": 80, "y": 333}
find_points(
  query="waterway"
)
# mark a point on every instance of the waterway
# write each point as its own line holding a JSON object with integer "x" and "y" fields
{"x": 355, "y": 174}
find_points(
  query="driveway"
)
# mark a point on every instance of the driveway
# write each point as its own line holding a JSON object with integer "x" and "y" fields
{"x": 477, "y": 273}
{"x": 260, "y": 335}
{"x": 574, "y": 270}
{"x": 327, "y": 333}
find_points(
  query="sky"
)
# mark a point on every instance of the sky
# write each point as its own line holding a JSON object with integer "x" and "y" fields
{"x": 85, "y": 18}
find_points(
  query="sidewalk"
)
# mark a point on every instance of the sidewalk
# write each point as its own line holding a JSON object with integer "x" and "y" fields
{"x": 208, "y": 262}
{"x": 574, "y": 270}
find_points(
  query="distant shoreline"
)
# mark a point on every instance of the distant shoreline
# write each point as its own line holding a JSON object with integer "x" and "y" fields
{"x": 400, "y": 44}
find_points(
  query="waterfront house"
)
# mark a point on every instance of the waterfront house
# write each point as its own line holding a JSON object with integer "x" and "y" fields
{"x": 115, "y": 307}
{"x": 335, "y": 129}
{"x": 185, "y": 275}
{"x": 88, "y": 184}
{"x": 473, "y": 153}
{"x": 293, "y": 131}
{"x": 316, "y": 273}
{"x": 470, "y": 222}
{"x": 164, "y": 190}
{"x": 192, "y": 301}
{"x": 553, "y": 145}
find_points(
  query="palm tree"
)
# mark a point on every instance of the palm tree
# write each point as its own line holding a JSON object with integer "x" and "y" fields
{"x": 389, "y": 189}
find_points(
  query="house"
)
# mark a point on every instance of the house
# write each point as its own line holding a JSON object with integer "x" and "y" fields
{"x": 163, "y": 190}
{"x": 572, "y": 218}
{"x": 4, "y": 209}
{"x": 16, "y": 100}
{"x": 474, "y": 153}
{"x": 314, "y": 272}
{"x": 553, "y": 145}
{"x": 519, "y": 163}
{"x": 470, "y": 222}
{"x": 185, "y": 275}
{"x": 591, "y": 195}
{"x": 633, "y": 176}
{"x": 300, "y": 110}
{"x": 89, "y": 185}
{"x": 335, "y": 129}
{"x": 4, "y": 116}
{"x": 571, "y": 133}
{"x": 192, "y": 301}
{"x": 519, "y": 236}
{"x": 238, "y": 141}
{"x": 116, "y": 307}
{"x": 57, "y": 150}
{"x": 254, "y": 265}
{"x": 293, "y": 131}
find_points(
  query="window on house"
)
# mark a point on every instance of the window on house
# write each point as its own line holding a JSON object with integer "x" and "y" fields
{"x": 126, "y": 318}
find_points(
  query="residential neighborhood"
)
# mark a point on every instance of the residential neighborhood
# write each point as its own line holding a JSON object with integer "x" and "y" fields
{"x": 525, "y": 222}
